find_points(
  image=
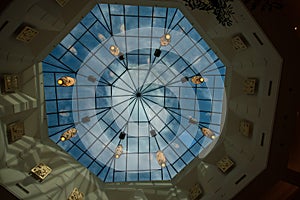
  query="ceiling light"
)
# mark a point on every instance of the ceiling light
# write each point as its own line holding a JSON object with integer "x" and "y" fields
{"x": 68, "y": 134}
{"x": 66, "y": 81}
{"x": 197, "y": 79}
{"x": 118, "y": 151}
{"x": 161, "y": 159}
{"x": 192, "y": 120}
{"x": 208, "y": 133}
{"x": 165, "y": 39}
{"x": 114, "y": 50}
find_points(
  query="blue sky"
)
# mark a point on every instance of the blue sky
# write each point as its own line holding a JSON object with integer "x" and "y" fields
{"x": 109, "y": 100}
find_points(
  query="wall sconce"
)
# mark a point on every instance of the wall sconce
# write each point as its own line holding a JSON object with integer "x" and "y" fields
{"x": 157, "y": 52}
{"x": 122, "y": 135}
{"x": 118, "y": 151}
{"x": 208, "y": 133}
{"x": 195, "y": 192}
{"x": 239, "y": 42}
{"x": 225, "y": 164}
{"x": 161, "y": 159}
{"x": 197, "y": 79}
{"x": 246, "y": 127}
{"x": 11, "y": 83}
{"x": 66, "y": 81}
{"x": 27, "y": 34}
{"x": 165, "y": 39}
{"x": 250, "y": 86}
{"x": 15, "y": 131}
{"x": 68, "y": 134}
{"x": 76, "y": 195}
{"x": 40, "y": 171}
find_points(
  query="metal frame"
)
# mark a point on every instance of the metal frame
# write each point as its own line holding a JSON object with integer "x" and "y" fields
{"x": 55, "y": 65}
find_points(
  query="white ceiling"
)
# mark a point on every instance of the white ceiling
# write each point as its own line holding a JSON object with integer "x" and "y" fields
{"x": 54, "y": 22}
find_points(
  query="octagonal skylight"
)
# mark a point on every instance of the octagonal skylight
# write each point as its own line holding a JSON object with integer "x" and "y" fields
{"x": 127, "y": 81}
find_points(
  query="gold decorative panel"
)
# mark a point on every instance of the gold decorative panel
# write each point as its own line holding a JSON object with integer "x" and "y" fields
{"x": 27, "y": 34}
{"x": 246, "y": 127}
{"x": 40, "y": 171}
{"x": 239, "y": 43}
{"x": 15, "y": 131}
{"x": 62, "y": 3}
{"x": 250, "y": 86}
{"x": 11, "y": 83}
{"x": 225, "y": 164}
{"x": 76, "y": 195}
{"x": 195, "y": 192}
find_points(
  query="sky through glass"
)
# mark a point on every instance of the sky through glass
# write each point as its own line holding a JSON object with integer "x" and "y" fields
{"x": 137, "y": 94}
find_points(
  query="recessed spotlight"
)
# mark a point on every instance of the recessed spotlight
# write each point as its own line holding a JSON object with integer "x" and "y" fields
{"x": 295, "y": 28}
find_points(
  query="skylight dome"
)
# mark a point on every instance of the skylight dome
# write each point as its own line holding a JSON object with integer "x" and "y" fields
{"x": 132, "y": 108}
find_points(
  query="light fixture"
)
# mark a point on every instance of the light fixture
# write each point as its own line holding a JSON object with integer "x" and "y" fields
{"x": 208, "y": 133}
{"x": 76, "y": 194}
{"x": 66, "y": 81}
{"x": 197, "y": 79}
{"x": 86, "y": 119}
{"x": 195, "y": 192}
{"x": 40, "y": 171}
{"x": 11, "y": 83}
{"x": 121, "y": 56}
{"x": 92, "y": 78}
{"x": 27, "y": 34}
{"x": 184, "y": 79}
{"x": 250, "y": 86}
{"x": 118, "y": 151}
{"x": 239, "y": 42}
{"x": 165, "y": 39}
{"x": 157, "y": 52}
{"x": 225, "y": 164}
{"x": 122, "y": 135}
{"x": 114, "y": 50}
{"x": 152, "y": 133}
{"x": 161, "y": 159}
{"x": 192, "y": 120}
{"x": 15, "y": 131}
{"x": 68, "y": 134}
{"x": 62, "y": 3}
{"x": 246, "y": 127}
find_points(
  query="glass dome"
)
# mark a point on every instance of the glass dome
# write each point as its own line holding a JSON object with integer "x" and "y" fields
{"x": 135, "y": 99}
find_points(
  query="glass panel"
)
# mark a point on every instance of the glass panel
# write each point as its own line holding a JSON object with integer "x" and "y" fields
{"x": 133, "y": 91}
